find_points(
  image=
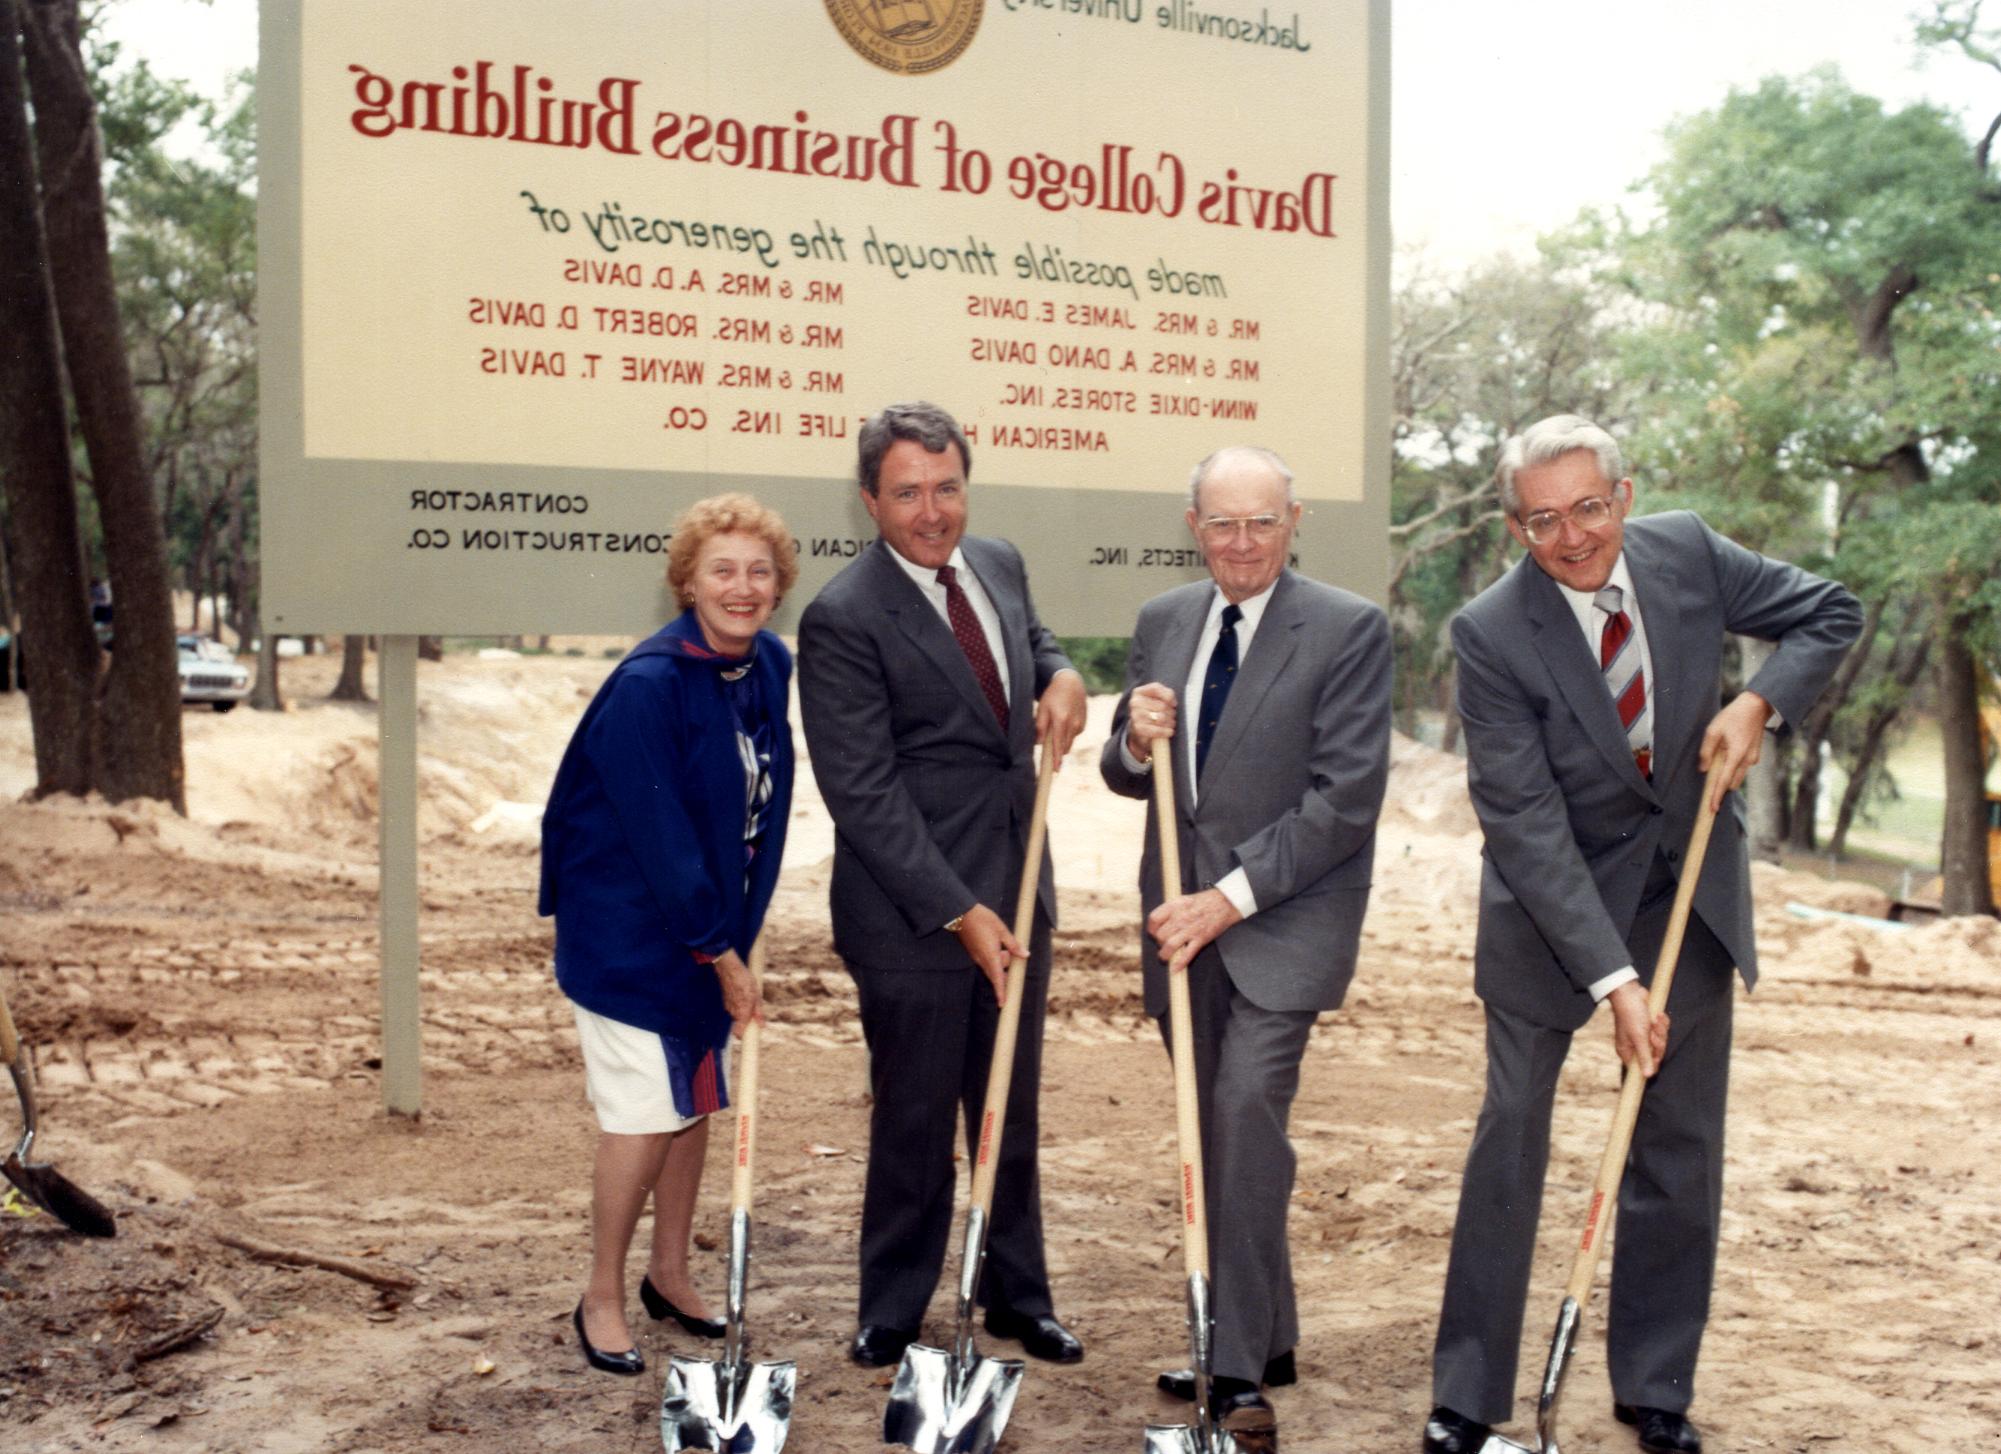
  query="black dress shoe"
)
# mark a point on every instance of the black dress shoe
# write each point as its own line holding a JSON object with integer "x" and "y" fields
{"x": 1449, "y": 1433}
{"x": 1179, "y": 1383}
{"x": 1661, "y": 1432}
{"x": 629, "y": 1362}
{"x": 659, "y": 1309}
{"x": 876, "y": 1346}
{"x": 1040, "y": 1336}
{"x": 1245, "y": 1415}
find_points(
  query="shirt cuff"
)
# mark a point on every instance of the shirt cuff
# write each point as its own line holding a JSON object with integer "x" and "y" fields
{"x": 1132, "y": 764}
{"x": 1603, "y": 987}
{"x": 1236, "y": 887}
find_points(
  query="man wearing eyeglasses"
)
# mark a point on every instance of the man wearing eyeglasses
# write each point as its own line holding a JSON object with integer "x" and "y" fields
{"x": 1272, "y": 692}
{"x": 1589, "y": 677}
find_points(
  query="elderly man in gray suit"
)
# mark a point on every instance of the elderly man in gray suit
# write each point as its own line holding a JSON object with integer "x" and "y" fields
{"x": 1589, "y": 677}
{"x": 1279, "y": 687}
{"x": 925, "y": 681}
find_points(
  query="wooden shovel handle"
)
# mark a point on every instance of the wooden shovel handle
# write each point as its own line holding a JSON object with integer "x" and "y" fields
{"x": 10, "y": 1039}
{"x": 1181, "y": 1033}
{"x": 1612, "y": 1168}
{"x": 1000, "y": 1074}
{"x": 746, "y": 1094}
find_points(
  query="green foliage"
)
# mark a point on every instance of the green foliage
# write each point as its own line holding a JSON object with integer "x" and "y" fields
{"x": 184, "y": 257}
{"x": 1473, "y": 360}
{"x": 1101, "y": 660}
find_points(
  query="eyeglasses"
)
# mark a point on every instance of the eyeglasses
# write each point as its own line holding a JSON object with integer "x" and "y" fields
{"x": 1590, "y": 513}
{"x": 1222, "y": 528}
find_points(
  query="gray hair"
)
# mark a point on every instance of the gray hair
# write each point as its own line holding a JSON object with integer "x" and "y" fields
{"x": 1230, "y": 453}
{"x": 1549, "y": 439}
{"x": 921, "y": 423}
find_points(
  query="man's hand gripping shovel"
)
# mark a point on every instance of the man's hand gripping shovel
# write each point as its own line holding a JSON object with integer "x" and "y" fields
{"x": 1612, "y": 1168}
{"x": 958, "y": 1402}
{"x": 733, "y": 1405}
{"x": 1203, "y": 1437}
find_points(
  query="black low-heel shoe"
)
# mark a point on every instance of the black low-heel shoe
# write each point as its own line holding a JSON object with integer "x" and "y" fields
{"x": 628, "y": 1363}
{"x": 659, "y": 1309}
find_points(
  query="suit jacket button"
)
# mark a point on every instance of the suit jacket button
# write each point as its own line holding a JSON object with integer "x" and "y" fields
{"x": 1655, "y": 810}
{"x": 1672, "y": 855}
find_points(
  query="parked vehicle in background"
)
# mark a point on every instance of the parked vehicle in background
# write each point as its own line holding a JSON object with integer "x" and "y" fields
{"x": 209, "y": 673}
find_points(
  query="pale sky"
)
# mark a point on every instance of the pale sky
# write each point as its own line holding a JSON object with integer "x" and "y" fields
{"x": 1508, "y": 115}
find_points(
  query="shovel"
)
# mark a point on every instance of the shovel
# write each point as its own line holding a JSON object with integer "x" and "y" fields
{"x": 732, "y": 1405}
{"x": 959, "y": 1402}
{"x": 43, "y": 1185}
{"x": 1204, "y": 1437}
{"x": 1612, "y": 1168}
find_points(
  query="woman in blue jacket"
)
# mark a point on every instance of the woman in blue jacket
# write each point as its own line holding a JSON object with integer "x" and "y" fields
{"x": 660, "y": 850}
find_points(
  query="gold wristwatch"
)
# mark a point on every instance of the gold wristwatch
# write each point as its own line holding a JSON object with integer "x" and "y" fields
{"x": 952, "y": 925}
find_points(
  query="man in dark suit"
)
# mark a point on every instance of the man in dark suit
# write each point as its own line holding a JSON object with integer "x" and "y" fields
{"x": 925, "y": 681}
{"x": 1588, "y": 682}
{"x": 1280, "y": 687}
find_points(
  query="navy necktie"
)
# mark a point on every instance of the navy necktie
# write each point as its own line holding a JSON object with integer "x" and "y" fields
{"x": 1216, "y": 684}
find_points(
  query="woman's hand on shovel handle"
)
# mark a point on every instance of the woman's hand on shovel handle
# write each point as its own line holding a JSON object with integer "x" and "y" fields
{"x": 1638, "y": 1038}
{"x": 742, "y": 995}
{"x": 1183, "y": 927}
{"x": 991, "y": 945}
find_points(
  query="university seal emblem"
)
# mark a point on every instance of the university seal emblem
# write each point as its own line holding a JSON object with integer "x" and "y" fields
{"x": 910, "y": 37}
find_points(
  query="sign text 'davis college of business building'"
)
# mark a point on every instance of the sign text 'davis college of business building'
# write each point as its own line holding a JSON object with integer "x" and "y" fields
{"x": 535, "y": 278}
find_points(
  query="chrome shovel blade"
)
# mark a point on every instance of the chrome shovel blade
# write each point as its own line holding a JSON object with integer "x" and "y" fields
{"x": 1173, "y": 1439}
{"x": 937, "y": 1409}
{"x": 1188, "y": 1439}
{"x": 746, "y": 1409}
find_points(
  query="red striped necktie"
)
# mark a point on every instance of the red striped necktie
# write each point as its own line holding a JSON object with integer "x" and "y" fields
{"x": 1619, "y": 659}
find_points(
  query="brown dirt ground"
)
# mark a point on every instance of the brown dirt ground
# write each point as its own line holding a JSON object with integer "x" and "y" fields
{"x": 201, "y": 1001}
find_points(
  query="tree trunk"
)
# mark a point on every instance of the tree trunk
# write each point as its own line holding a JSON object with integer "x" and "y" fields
{"x": 265, "y": 695}
{"x": 48, "y": 573}
{"x": 1448, "y": 699}
{"x": 430, "y": 648}
{"x": 1765, "y": 785}
{"x": 138, "y": 737}
{"x": 353, "y": 656}
{"x": 1813, "y": 730}
{"x": 1904, "y": 668}
{"x": 1963, "y": 850}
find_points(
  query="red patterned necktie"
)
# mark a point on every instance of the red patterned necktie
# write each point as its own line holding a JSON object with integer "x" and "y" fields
{"x": 973, "y": 641}
{"x": 1619, "y": 659}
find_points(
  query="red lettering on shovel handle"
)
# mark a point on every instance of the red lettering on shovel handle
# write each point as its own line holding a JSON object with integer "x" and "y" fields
{"x": 1188, "y": 1192}
{"x": 743, "y": 1140}
{"x": 1591, "y": 1222}
{"x": 986, "y": 1137}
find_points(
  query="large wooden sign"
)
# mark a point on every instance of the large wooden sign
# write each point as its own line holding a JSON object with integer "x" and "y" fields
{"x": 535, "y": 276}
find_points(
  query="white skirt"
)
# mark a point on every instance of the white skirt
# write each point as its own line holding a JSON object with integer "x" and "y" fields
{"x": 625, "y": 1075}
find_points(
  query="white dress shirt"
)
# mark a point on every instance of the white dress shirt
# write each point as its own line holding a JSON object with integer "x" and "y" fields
{"x": 1591, "y": 619}
{"x": 925, "y": 578}
{"x": 1236, "y": 884}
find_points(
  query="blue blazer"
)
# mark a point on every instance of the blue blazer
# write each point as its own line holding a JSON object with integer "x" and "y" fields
{"x": 643, "y": 851}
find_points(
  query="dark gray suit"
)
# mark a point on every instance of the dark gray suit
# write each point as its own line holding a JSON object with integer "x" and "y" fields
{"x": 931, "y": 802}
{"x": 1578, "y": 874}
{"x": 1290, "y": 793}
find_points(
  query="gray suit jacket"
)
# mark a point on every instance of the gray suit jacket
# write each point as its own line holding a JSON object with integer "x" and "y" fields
{"x": 1291, "y": 789}
{"x": 1571, "y": 825}
{"x": 930, "y": 799}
